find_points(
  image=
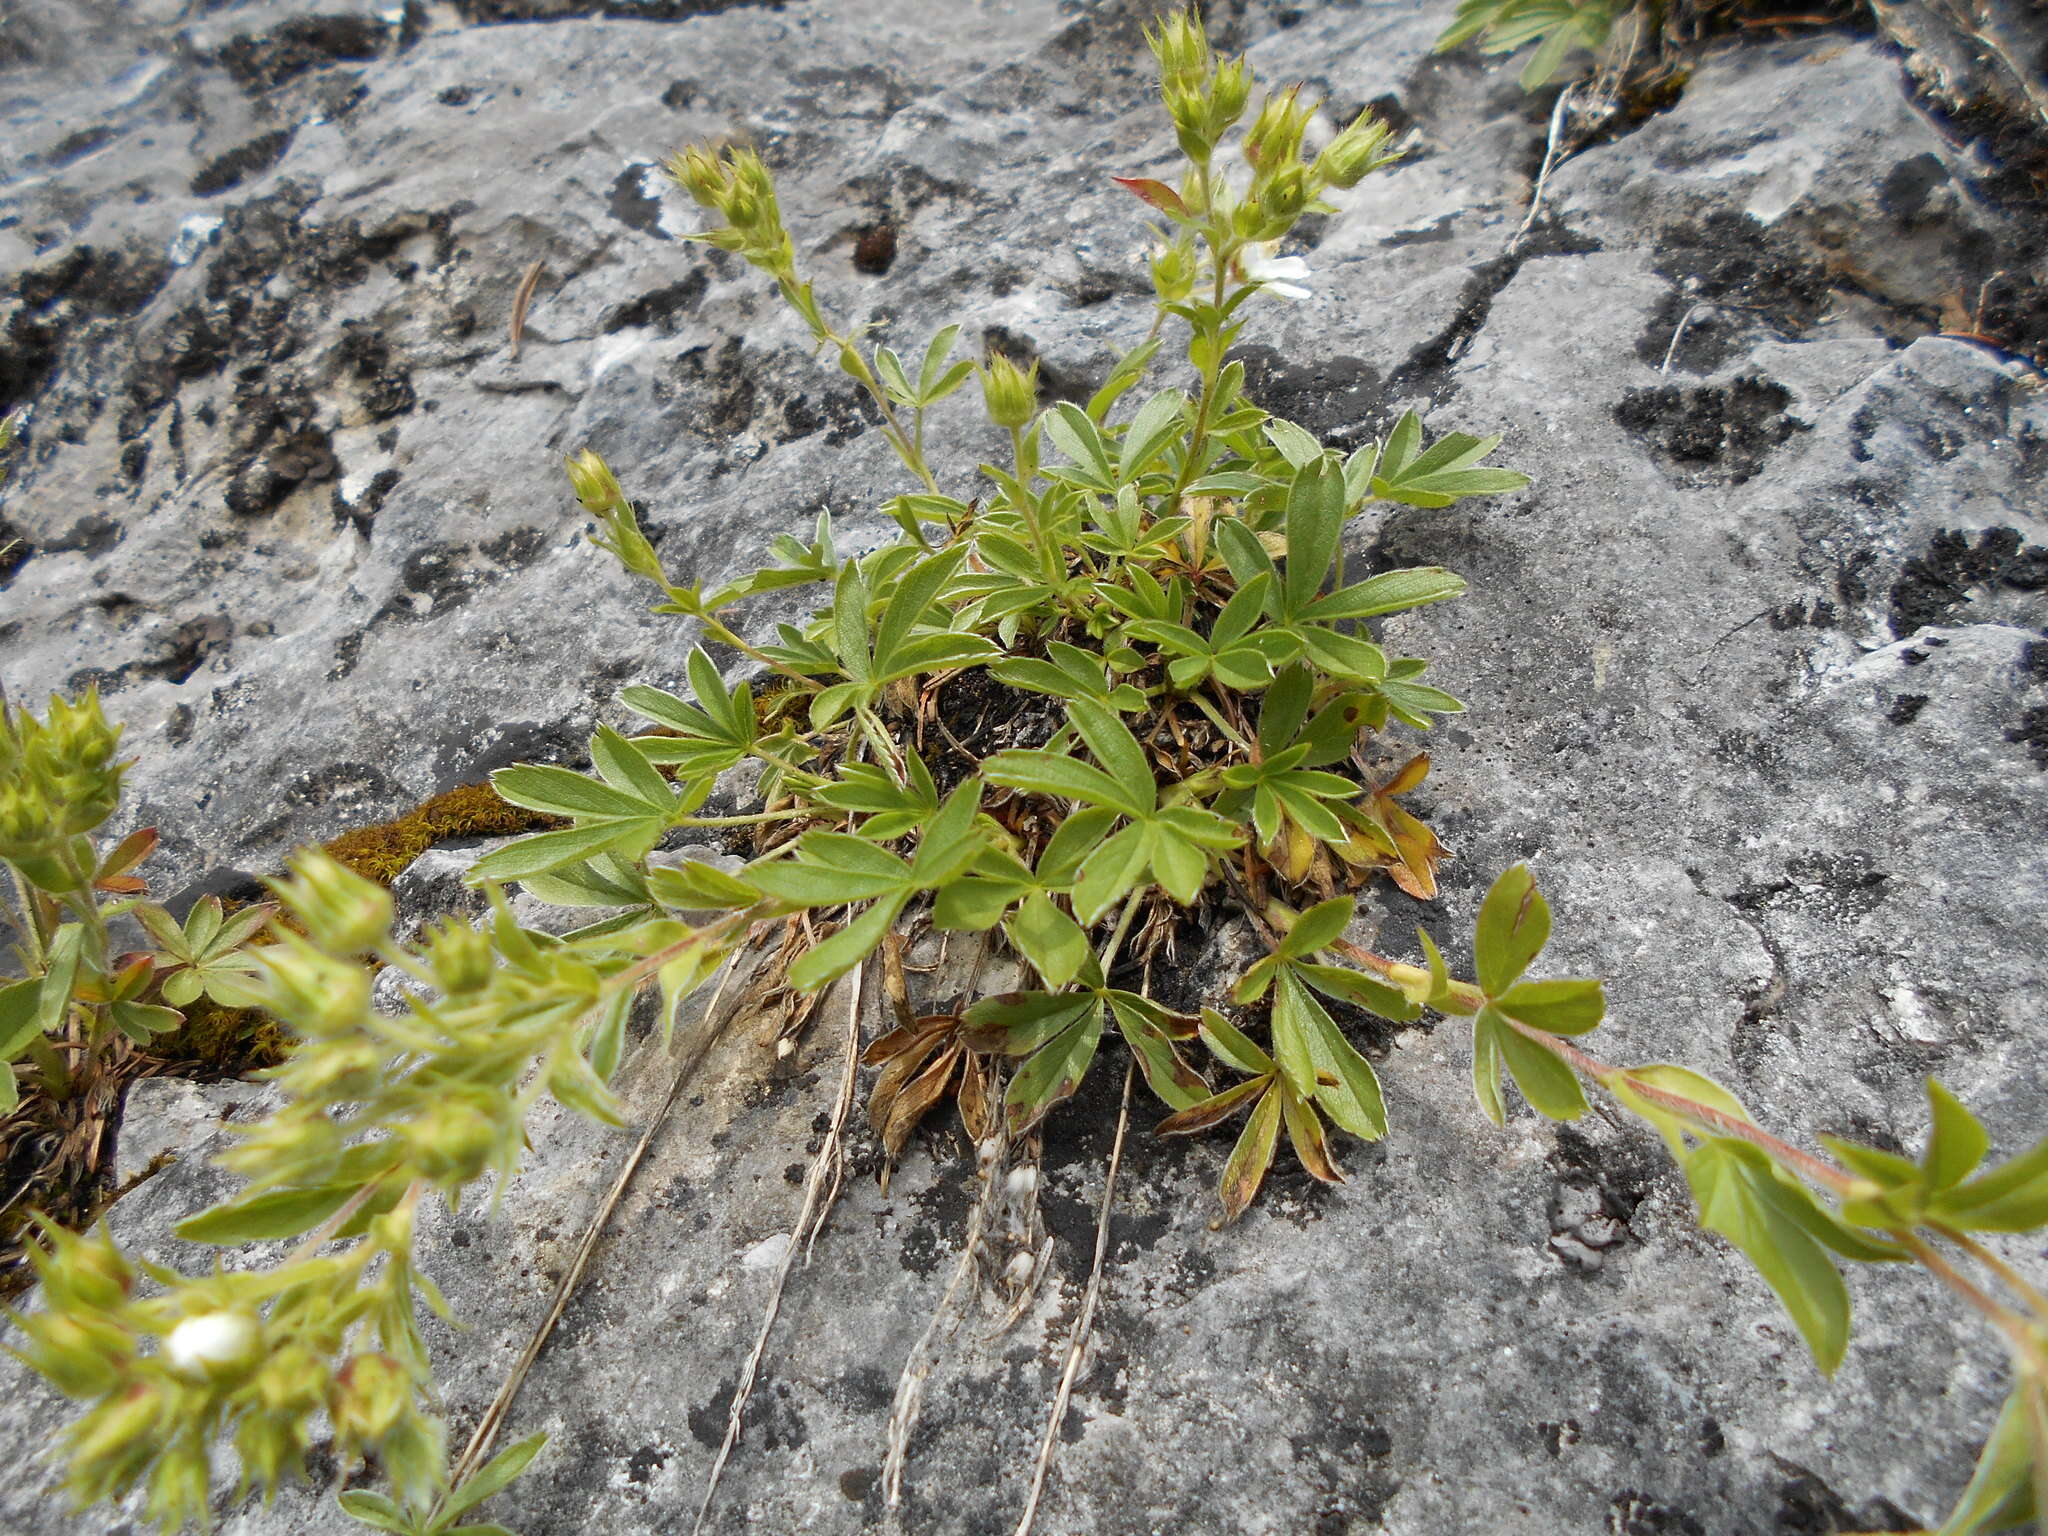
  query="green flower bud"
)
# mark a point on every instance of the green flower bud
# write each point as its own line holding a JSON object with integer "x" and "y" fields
{"x": 344, "y": 913}
{"x": 81, "y": 1356}
{"x": 1229, "y": 93}
{"x": 461, "y": 957}
{"x": 452, "y": 1140}
{"x": 112, "y": 1444}
{"x": 1274, "y": 137}
{"x": 1182, "y": 50}
{"x": 1176, "y": 269}
{"x": 1284, "y": 197}
{"x": 178, "y": 1487}
{"x": 370, "y": 1394}
{"x": 317, "y": 994}
{"x": 333, "y": 1071}
{"x": 85, "y": 1272}
{"x": 1009, "y": 392}
{"x": 594, "y": 483}
{"x": 1355, "y": 153}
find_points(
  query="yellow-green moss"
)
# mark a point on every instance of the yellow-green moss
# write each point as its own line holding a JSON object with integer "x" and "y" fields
{"x": 382, "y": 852}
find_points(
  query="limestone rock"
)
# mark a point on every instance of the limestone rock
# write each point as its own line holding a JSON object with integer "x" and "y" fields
{"x": 1756, "y": 674}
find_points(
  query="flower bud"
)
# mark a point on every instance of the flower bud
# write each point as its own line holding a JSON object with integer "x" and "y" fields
{"x": 119, "y": 1433}
{"x": 1228, "y": 93}
{"x": 1022, "y": 1183}
{"x": 214, "y": 1346}
{"x": 86, "y": 1272}
{"x": 1355, "y": 153}
{"x": 344, "y": 913}
{"x": 461, "y": 957}
{"x": 318, "y": 995}
{"x": 1009, "y": 392}
{"x": 370, "y": 1394}
{"x": 452, "y": 1140}
{"x": 1284, "y": 197}
{"x": 595, "y": 485}
{"x": 82, "y": 1356}
{"x": 333, "y": 1071}
{"x": 1176, "y": 269}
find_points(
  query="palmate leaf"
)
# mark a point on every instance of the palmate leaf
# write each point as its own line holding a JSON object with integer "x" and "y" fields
{"x": 1439, "y": 475}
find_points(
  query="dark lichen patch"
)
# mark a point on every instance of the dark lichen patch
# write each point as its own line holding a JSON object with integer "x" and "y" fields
{"x": 661, "y": 308}
{"x": 1735, "y": 277}
{"x": 383, "y": 387}
{"x": 2032, "y": 733}
{"x": 237, "y": 165}
{"x": 1342, "y": 399}
{"x": 1711, "y": 432}
{"x": 290, "y": 49}
{"x": 633, "y": 205}
{"x": 1936, "y": 587}
{"x": 1807, "y": 1506}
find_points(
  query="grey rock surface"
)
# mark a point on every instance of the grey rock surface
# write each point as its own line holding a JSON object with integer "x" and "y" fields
{"x": 1757, "y": 673}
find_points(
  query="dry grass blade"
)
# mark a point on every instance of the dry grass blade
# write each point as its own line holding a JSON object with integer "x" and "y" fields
{"x": 520, "y": 301}
{"x": 1077, "y": 1348}
{"x": 828, "y": 1165}
{"x": 494, "y": 1417}
{"x": 1550, "y": 147}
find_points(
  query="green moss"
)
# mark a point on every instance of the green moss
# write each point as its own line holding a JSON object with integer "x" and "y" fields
{"x": 381, "y": 853}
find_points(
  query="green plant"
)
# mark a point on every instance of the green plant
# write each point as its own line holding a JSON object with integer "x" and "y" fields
{"x": 1557, "y": 27}
{"x": 1168, "y": 577}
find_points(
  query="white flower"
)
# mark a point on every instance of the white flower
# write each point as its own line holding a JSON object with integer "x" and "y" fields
{"x": 214, "y": 1341}
{"x": 1277, "y": 274}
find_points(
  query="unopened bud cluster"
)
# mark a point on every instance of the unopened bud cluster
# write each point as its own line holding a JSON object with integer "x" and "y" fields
{"x": 58, "y": 781}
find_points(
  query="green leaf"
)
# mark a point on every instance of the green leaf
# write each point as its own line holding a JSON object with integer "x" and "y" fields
{"x": 850, "y": 624}
{"x": 1251, "y": 1158}
{"x": 60, "y": 977}
{"x": 1108, "y": 873}
{"x": 1741, "y": 1197}
{"x": 142, "y": 1022}
{"x": 1319, "y": 927}
{"x": 1233, "y": 1046}
{"x": 1055, "y": 1071}
{"x": 1050, "y": 773}
{"x": 265, "y": 1217}
{"x": 914, "y": 595}
{"x": 1345, "y": 1086}
{"x": 1956, "y": 1144}
{"x": 1118, "y": 751}
{"x": 625, "y": 769}
{"x": 1018, "y": 1023}
{"x": 1367, "y": 992}
{"x": 558, "y": 792}
{"x": 2013, "y": 1197}
{"x": 1546, "y": 1082}
{"x": 1315, "y": 524}
{"x": 546, "y": 851}
{"x": 605, "y": 881}
{"x": 1053, "y": 942}
{"x": 20, "y": 1016}
{"x": 374, "y": 1510}
{"x": 1486, "y": 1067}
{"x": 1080, "y": 440}
{"x": 829, "y": 869}
{"x": 698, "y": 887}
{"x": 493, "y": 1476}
{"x": 1514, "y": 925}
{"x": 1390, "y": 592}
{"x": 1567, "y": 1006}
{"x": 2000, "y": 1494}
{"x": 828, "y": 961}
